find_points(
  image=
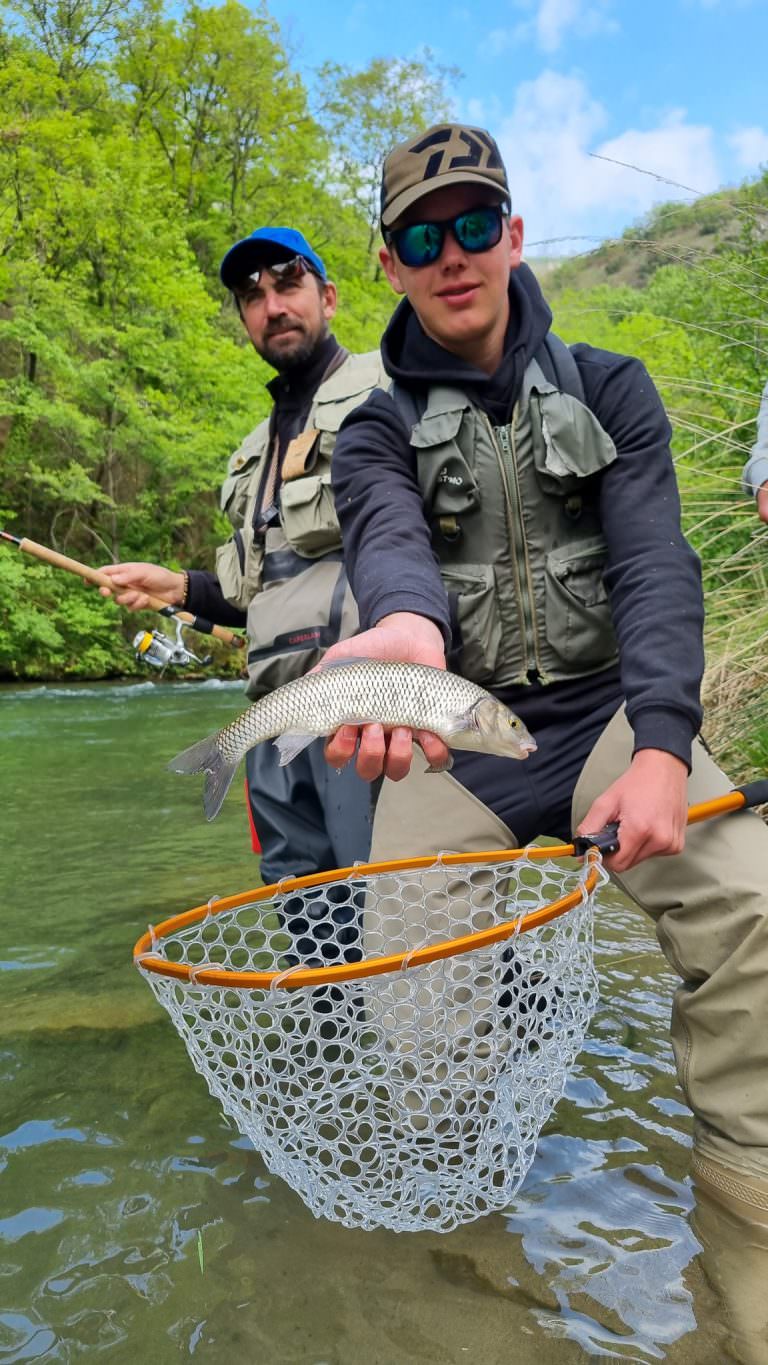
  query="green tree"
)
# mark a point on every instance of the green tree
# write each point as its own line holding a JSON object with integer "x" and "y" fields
{"x": 367, "y": 112}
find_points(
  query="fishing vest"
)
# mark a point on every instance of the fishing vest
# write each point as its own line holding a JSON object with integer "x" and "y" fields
{"x": 289, "y": 577}
{"x": 515, "y": 525}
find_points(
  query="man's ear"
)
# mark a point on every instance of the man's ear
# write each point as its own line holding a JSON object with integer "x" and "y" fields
{"x": 389, "y": 263}
{"x": 330, "y": 300}
{"x": 515, "y": 241}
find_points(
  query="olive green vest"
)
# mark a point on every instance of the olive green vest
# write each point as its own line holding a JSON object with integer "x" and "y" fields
{"x": 516, "y": 528}
{"x": 290, "y": 579}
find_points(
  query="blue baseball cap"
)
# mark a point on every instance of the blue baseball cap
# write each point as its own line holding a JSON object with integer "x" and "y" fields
{"x": 245, "y": 256}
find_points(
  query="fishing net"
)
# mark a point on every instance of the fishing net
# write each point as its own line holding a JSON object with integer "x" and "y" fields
{"x": 392, "y": 1037}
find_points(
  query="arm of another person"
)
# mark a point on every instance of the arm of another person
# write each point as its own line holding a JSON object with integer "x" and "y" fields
{"x": 135, "y": 581}
{"x": 755, "y": 476}
{"x": 654, "y": 582}
{"x": 393, "y": 572}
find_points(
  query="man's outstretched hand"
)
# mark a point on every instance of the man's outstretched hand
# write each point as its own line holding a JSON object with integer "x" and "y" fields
{"x": 408, "y": 638}
{"x": 134, "y": 583}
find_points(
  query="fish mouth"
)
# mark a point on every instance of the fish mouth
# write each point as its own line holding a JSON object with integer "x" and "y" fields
{"x": 528, "y": 746}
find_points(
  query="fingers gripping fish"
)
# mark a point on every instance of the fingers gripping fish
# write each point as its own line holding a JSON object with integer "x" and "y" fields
{"x": 357, "y": 692}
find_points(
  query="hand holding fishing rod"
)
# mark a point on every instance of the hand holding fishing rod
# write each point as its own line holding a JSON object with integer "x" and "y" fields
{"x": 103, "y": 580}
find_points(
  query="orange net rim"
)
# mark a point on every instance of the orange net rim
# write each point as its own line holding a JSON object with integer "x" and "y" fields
{"x": 295, "y": 977}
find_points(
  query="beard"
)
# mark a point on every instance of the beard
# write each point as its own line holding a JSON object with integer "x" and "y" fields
{"x": 290, "y": 350}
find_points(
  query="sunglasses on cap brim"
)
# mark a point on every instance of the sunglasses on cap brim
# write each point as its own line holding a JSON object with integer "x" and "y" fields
{"x": 279, "y": 270}
{"x": 475, "y": 230}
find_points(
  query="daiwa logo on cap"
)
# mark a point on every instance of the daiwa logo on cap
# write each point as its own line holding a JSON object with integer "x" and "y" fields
{"x": 447, "y": 154}
{"x": 477, "y": 148}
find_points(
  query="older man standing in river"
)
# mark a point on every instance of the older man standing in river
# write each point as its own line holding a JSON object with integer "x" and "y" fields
{"x": 281, "y": 573}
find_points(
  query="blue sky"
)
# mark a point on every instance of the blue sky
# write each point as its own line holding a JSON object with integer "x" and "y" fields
{"x": 676, "y": 87}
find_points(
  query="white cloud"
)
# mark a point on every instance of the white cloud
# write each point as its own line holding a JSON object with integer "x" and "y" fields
{"x": 497, "y": 41}
{"x": 751, "y": 148}
{"x": 563, "y": 191}
{"x": 555, "y": 17}
{"x": 548, "y": 23}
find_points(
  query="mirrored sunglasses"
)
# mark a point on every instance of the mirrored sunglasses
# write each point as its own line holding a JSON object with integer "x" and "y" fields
{"x": 476, "y": 230}
{"x": 279, "y": 270}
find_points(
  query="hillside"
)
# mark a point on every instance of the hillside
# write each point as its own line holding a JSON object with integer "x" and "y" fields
{"x": 673, "y": 233}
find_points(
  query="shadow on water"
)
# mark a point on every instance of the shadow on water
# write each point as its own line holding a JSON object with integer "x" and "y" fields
{"x": 118, "y": 1173}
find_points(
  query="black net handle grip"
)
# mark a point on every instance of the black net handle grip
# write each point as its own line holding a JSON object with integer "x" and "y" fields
{"x": 750, "y": 794}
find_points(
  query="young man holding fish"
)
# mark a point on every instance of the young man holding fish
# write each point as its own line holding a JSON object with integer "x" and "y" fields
{"x": 281, "y": 573}
{"x": 513, "y": 510}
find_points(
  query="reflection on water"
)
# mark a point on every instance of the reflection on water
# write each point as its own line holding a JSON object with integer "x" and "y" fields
{"x": 117, "y": 1170}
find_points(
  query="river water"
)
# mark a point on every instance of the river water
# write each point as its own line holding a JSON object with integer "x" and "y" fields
{"x": 136, "y": 1225}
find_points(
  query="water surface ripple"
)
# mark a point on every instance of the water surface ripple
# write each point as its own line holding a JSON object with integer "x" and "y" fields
{"x": 116, "y": 1165}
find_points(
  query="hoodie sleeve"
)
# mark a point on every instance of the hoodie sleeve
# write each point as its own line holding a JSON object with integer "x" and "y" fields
{"x": 653, "y": 575}
{"x": 206, "y": 599}
{"x": 387, "y": 546}
{"x": 756, "y": 469}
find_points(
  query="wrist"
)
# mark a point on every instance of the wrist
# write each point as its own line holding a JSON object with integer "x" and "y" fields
{"x": 414, "y": 624}
{"x": 660, "y": 761}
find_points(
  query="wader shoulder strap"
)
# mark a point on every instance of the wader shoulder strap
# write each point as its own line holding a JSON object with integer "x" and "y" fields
{"x": 411, "y": 406}
{"x": 559, "y": 366}
{"x": 555, "y": 359}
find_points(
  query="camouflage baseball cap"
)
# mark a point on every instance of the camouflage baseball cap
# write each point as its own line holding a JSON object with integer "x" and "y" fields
{"x": 447, "y": 154}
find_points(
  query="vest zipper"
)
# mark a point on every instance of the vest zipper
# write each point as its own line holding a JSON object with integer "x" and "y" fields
{"x": 507, "y": 453}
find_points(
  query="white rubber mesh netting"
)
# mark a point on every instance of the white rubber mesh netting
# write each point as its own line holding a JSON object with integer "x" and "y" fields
{"x": 409, "y": 1100}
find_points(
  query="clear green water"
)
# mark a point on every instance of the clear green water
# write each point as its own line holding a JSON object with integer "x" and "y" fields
{"x": 115, "y": 1164}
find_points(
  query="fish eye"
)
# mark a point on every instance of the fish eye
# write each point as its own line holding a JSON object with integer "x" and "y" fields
{"x": 514, "y": 723}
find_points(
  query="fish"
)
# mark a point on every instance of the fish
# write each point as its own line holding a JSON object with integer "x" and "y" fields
{"x": 357, "y": 692}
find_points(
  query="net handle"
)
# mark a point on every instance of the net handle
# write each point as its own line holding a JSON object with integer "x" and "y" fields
{"x": 754, "y": 793}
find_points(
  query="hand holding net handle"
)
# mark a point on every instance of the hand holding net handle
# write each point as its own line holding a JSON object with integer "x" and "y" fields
{"x": 606, "y": 840}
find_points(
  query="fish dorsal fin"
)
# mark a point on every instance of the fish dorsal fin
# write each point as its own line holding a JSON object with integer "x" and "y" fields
{"x": 344, "y": 663}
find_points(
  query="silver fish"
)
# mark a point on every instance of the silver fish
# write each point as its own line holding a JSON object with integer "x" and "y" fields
{"x": 357, "y": 692}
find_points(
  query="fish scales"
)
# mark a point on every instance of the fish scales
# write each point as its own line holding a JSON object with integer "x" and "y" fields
{"x": 358, "y": 692}
{"x": 406, "y": 694}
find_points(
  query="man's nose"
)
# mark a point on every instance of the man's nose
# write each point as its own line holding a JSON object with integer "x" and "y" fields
{"x": 453, "y": 255}
{"x": 274, "y": 303}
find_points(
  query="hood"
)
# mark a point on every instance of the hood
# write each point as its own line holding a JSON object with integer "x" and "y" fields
{"x": 414, "y": 360}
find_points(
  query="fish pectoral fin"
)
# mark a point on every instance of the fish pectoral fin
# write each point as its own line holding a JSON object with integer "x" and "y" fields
{"x": 290, "y": 744}
{"x": 441, "y": 767}
{"x": 460, "y": 724}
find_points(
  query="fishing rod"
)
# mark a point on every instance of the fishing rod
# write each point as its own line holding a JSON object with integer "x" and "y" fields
{"x": 151, "y": 646}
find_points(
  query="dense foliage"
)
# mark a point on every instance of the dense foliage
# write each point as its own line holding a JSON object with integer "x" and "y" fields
{"x": 698, "y": 318}
{"x": 136, "y": 144}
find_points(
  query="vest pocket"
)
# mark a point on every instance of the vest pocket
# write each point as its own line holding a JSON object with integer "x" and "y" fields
{"x": 238, "y": 569}
{"x": 579, "y": 624}
{"x": 308, "y": 515}
{"x": 294, "y": 620}
{"x": 475, "y": 620}
{"x": 570, "y": 444}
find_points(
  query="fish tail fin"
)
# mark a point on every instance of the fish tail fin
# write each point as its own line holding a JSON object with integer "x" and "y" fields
{"x": 206, "y": 757}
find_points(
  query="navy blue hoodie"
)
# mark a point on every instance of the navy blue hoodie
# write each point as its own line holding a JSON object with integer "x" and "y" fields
{"x": 653, "y": 576}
